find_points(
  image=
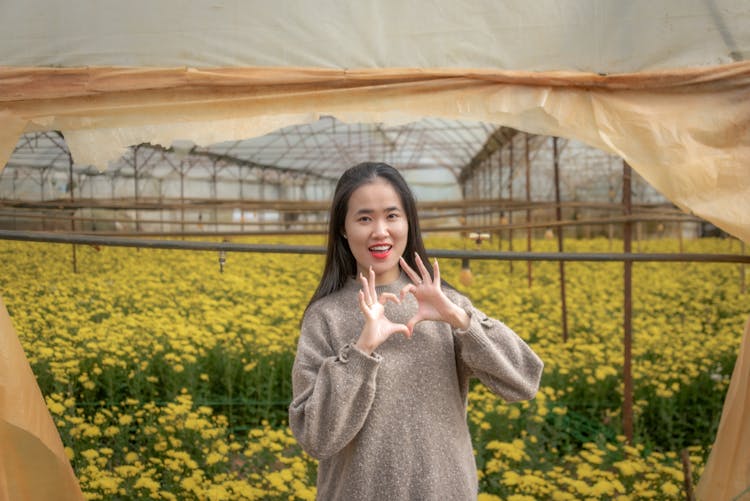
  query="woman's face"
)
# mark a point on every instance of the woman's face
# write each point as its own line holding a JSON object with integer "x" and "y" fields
{"x": 376, "y": 229}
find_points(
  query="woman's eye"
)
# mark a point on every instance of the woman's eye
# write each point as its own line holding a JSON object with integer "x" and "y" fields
{"x": 393, "y": 215}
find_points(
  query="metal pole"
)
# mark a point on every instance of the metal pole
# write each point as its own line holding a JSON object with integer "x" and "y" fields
{"x": 500, "y": 194}
{"x": 116, "y": 213}
{"x": 41, "y": 193}
{"x": 510, "y": 199}
{"x": 135, "y": 182}
{"x": 558, "y": 211}
{"x": 161, "y": 199}
{"x": 485, "y": 188}
{"x": 214, "y": 185}
{"x": 492, "y": 214}
{"x": 464, "y": 192}
{"x": 182, "y": 196}
{"x": 242, "y": 198}
{"x": 72, "y": 199}
{"x": 91, "y": 196}
{"x": 262, "y": 191}
{"x": 152, "y": 243}
{"x": 474, "y": 195}
{"x": 528, "y": 211}
{"x": 627, "y": 375}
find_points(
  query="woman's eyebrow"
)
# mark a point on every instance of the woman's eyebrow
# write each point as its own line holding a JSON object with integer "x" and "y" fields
{"x": 370, "y": 211}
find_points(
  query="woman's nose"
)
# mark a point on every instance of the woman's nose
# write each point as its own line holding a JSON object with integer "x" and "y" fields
{"x": 380, "y": 227}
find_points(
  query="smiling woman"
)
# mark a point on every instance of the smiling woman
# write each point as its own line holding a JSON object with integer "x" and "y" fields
{"x": 360, "y": 391}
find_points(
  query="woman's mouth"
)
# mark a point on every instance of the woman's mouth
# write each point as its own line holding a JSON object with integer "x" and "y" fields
{"x": 380, "y": 251}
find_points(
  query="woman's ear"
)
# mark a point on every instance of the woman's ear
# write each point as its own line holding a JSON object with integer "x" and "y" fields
{"x": 343, "y": 234}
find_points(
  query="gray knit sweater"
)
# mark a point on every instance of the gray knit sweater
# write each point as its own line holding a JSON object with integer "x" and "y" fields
{"x": 392, "y": 426}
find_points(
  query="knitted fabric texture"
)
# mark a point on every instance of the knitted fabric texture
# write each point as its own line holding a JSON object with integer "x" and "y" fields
{"x": 392, "y": 425}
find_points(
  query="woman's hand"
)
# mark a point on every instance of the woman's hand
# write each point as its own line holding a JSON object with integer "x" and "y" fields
{"x": 377, "y": 327}
{"x": 433, "y": 304}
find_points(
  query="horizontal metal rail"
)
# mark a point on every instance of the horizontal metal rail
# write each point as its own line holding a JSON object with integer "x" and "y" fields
{"x": 161, "y": 203}
{"x": 146, "y": 243}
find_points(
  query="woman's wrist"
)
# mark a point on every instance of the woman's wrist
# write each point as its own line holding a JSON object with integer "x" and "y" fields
{"x": 458, "y": 318}
{"x": 365, "y": 348}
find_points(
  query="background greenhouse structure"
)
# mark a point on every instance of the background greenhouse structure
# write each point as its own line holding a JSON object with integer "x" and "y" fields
{"x": 468, "y": 177}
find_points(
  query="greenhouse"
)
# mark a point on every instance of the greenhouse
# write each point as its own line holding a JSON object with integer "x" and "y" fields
{"x": 581, "y": 173}
{"x": 466, "y": 175}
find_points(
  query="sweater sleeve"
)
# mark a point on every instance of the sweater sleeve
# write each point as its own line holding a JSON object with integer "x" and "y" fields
{"x": 495, "y": 354}
{"x": 332, "y": 391}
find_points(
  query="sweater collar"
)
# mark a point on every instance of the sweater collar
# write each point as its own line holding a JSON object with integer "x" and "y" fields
{"x": 394, "y": 287}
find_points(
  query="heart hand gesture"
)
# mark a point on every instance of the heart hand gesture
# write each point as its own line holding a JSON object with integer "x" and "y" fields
{"x": 433, "y": 304}
{"x": 377, "y": 327}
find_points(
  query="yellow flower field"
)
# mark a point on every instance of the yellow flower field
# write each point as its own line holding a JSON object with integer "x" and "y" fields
{"x": 170, "y": 380}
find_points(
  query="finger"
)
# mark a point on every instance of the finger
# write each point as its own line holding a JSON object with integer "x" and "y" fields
{"x": 423, "y": 269}
{"x": 388, "y": 296}
{"x": 365, "y": 289}
{"x": 402, "y": 329}
{"x": 407, "y": 269}
{"x": 436, "y": 272}
{"x": 413, "y": 321}
{"x": 408, "y": 288}
{"x": 362, "y": 302}
{"x": 373, "y": 293}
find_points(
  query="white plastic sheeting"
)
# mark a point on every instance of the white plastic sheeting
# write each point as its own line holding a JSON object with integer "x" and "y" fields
{"x": 601, "y": 36}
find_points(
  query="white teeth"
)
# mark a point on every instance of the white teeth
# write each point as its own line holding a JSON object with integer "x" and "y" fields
{"x": 380, "y": 248}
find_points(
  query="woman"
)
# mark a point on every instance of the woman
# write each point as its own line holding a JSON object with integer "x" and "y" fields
{"x": 385, "y": 354}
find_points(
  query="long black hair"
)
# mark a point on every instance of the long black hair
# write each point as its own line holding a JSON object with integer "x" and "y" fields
{"x": 340, "y": 264}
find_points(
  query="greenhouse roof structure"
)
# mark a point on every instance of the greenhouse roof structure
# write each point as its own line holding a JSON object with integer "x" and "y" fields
{"x": 435, "y": 155}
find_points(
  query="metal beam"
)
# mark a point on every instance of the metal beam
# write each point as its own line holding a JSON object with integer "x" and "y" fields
{"x": 498, "y": 139}
{"x": 65, "y": 238}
